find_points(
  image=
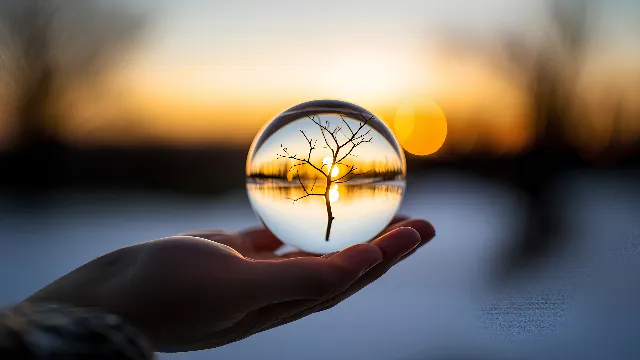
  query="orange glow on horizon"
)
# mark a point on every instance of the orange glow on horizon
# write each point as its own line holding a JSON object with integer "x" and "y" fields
{"x": 227, "y": 105}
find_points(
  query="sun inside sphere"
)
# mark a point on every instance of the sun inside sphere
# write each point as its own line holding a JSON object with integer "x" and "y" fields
{"x": 325, "y": 175}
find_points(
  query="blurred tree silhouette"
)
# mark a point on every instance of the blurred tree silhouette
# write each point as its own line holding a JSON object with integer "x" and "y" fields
{"x": 549, "y": 74}
{"x": 551, "y": 78}
{"x": 547, "y": 70}
{"x": 50, "y": 47}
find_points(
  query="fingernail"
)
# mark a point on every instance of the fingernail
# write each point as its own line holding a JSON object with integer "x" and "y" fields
{"x": 426, "y": 230}
{"x": 414, "y": 241}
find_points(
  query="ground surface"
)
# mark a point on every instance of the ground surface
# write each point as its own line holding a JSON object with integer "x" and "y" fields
{"x": 439, "y": 304}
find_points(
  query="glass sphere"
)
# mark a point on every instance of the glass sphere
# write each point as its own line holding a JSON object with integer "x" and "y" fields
{"x": 325, "y": 175}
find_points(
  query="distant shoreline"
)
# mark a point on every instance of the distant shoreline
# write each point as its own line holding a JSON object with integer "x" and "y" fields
{"x": 280, "y": 182}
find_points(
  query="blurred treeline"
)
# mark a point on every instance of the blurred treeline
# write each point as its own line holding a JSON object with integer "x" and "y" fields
{"x": 36, "y": 66}
{"x": 383, "y": 171}
{"x": 46, "y": 51}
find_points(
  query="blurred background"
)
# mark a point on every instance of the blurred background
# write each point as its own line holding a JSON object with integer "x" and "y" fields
{"x": 124, "y": 121}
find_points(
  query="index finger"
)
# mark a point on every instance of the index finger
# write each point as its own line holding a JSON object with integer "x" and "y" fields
{"x": 392, "y": 245}
{"x": 312, "y": 277}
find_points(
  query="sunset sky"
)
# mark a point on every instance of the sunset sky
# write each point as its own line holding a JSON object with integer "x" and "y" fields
{"x": 205, "y": 71}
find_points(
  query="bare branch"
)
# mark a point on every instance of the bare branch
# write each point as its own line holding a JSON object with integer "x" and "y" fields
{"x": 345, "y": 175}
{"x": 310, "y": 164}
{"x": 326, "y": 128}
{"x": 295, "y": 157}
{"x": 343, "y": 134}
{"x": 295, "y": 165}
{"x": 348, "y": 127}
{"x": 360, "y": 127}
{"x": 357, "y": 140}
{"x": 304, "y": 196}
{"x": 353, "y": 175}
{"x": 312, "y": 118}
{"x": 362, "y": 136}
{"x": 324, "y": 136}
{"x": 353, "y": 146}
{"x": 307, "y": 193}
{"x": 305, "y": 136}
{"x": 312, "y": 144}
{"x": 302, "y": 184}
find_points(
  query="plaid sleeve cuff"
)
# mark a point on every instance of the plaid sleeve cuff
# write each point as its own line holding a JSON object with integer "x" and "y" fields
{"x": 56, "y": 331}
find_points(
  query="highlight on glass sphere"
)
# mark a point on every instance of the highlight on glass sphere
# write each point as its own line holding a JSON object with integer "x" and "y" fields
{"x": 325, "y": 175}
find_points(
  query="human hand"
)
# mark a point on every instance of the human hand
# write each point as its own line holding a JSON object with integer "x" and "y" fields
{"x": 204, "y": 289}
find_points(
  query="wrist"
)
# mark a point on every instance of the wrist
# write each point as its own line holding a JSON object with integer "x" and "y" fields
{"x": 45, "y": 330}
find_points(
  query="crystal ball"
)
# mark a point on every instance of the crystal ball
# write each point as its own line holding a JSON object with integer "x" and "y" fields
{"x": 325, "y": 175}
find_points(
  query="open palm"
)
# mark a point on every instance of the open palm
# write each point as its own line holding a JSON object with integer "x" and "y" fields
{"x": 204, "y": 289}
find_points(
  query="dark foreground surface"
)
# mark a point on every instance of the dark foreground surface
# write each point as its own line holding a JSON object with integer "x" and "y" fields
{"x": 441, "y": 304}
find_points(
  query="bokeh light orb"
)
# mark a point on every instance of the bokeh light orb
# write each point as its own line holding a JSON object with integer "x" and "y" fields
{"x": 325, "y": 175}
{"x": 420, "y": 125}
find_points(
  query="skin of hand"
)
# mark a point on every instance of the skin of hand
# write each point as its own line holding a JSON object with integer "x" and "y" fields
{"x": 205, "y": 289}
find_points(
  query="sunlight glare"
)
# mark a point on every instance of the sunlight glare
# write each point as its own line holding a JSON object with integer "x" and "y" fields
{"x": 333, "y": 193}
{"x": 327, "y": 161}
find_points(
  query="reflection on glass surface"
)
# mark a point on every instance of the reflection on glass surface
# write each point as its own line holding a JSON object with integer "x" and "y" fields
{"x": 325, "y": 175}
